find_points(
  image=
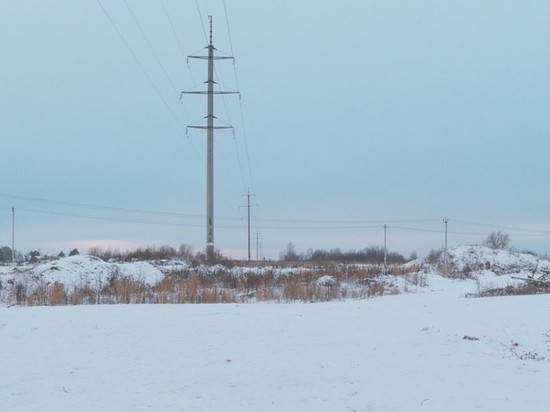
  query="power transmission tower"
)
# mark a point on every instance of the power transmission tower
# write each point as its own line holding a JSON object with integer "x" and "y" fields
{"x": 210, "y": 127}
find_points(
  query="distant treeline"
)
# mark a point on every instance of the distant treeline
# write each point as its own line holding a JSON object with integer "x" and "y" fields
{"x": 373, "y": 254}
{"x": 144, "y": 253}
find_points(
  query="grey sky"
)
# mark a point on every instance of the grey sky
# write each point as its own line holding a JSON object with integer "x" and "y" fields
{"x": 356, "y": 114}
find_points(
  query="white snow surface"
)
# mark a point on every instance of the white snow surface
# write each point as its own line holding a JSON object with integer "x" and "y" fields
{"x": 393, "y": 353}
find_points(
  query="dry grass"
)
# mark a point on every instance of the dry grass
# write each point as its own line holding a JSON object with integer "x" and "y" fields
{"x": 215, "y": 285}
{"x": 525, "y": 289}
{"x": 58, "y": 295}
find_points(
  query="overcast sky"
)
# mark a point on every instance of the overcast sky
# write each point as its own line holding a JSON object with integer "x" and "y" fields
{"x": 355, "y": 114}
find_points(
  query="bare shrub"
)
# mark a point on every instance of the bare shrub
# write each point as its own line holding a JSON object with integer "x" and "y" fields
{"x": 185, "y": 252}
{"x": 497, "y": 240}
{"x": 328, "y": 293}
{"x": 106, "y": 254}
{"x": 417, "y": 279}
{"x": 83, "y": 295}
{"x": 20, "y": 292}
{"x": 164, "y": 252}
{"x": 38, "y": 295}
{"x": 435, "y": 256}
{"x": 376, "y": 289}
{"x": 523, "y": 289}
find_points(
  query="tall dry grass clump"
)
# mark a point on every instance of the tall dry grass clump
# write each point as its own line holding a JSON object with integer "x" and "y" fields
{"x": 58, "y": 295}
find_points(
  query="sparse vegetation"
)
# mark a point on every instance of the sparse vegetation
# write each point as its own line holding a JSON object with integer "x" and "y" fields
{"x": 182, "y": 278}
{"x": 214, "y": 284}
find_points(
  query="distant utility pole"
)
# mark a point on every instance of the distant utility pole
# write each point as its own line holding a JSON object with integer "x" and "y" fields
{"x": 385, "y": 249}
{"x": 248, "y": 198}
{"x": 12, "y": 235}
{"x": 257, "y": 245}
{"x": 445, "y": 253}
{"x": 210, "y": 140}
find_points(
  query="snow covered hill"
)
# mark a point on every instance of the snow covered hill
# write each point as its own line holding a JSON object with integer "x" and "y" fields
{"x": 499, "y": 262}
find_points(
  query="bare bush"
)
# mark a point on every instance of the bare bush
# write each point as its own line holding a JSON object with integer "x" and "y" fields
{"x": 497, "y": 240}
{"x": 434, "y": 256}
{"x": 20, "y": 292}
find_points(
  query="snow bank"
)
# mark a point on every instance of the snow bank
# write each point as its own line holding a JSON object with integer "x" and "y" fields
{"x": 79, "y": 270}
{"x": 73, "y": 270}
{"x": 480, "y": 258}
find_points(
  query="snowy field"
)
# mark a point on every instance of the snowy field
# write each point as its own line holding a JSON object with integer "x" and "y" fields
{"x": 434, "y": 350}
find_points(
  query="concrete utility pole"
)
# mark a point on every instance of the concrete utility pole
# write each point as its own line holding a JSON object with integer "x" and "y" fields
{"x": 210, "y": 153}
{"x": 445, "y": 253}
{"x": 257, "y": 245}
{"x": 248, "y": 197}
{"x": 385, "y": 249}
{"x": 210, "y": 140}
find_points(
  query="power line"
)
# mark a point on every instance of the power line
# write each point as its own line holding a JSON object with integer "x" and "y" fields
{"x": 173, "y": 29}
{"x": 202, "y": 21}
{"x": 140, "y": 65}
{"x": 319, "y": 228}
{"x": 154, "y": 53}
{"x": 174, "y": 32}
{"x": 123, "y": 219}
{"x": 325, "y": 221}
{"x": 146, "y": 74}
{"x": 129, "y": 215}
{"x": 501, "y": 226}
{"x": 286, "y": 224}
{"x": 109, "y": 208}
{"x": 240, "y": 99}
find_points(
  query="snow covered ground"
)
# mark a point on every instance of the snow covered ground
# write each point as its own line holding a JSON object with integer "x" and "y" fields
{"x": 432, "y": 351}
{"x": 428, "y": 348}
